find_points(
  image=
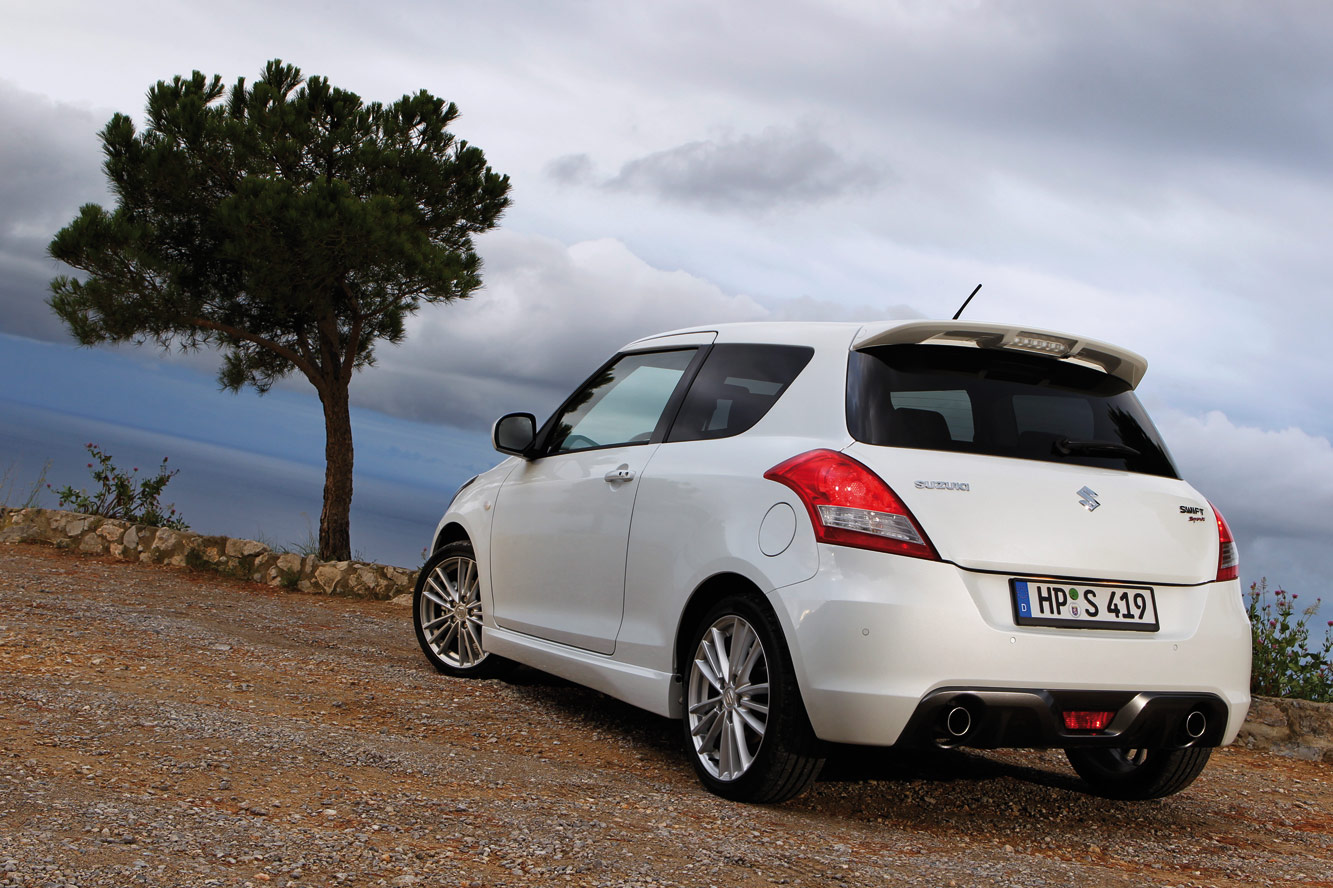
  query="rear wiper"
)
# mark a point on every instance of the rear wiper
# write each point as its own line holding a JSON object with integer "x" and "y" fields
{"x": 1067, "y": 447}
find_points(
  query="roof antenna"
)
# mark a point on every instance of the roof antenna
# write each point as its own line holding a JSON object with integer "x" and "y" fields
{"x": 965, "y": 302}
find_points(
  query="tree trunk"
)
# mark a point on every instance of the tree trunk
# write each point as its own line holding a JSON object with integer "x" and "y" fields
{"x": 335, "y": 533}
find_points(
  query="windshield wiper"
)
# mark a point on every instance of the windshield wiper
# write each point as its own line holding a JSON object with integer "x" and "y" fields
{"x": 1067, "y": 447}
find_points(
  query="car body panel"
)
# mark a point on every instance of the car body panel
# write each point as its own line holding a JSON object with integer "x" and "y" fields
{"x": 1002, "y": 514}
{"x": 572, "y": 527}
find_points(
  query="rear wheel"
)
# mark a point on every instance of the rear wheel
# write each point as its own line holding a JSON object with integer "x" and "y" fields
{"x": 745, "y": 725}
{"x": 446, "y": 610}
{"x": 1138, "y": 774}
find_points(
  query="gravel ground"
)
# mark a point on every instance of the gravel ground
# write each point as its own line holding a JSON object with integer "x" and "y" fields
{"x": 160, "y": 726}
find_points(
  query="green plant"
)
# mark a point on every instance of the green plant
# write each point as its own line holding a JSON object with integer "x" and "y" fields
{"x": 33, "y": 497}
{"x": 1284, "y": 664}
{"x": 119, "y": 496}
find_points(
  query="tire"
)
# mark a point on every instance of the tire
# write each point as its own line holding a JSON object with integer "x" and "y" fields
{"x": 1138, "y": 774}
{"x": 746, "y": 730}
{"x": 446, "y": 612}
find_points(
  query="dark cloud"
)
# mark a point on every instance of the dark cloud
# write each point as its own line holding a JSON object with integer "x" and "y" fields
{"x": 571, "y": 169}
{"x": 50, "y": 165}
{"x": 775, "y": 168}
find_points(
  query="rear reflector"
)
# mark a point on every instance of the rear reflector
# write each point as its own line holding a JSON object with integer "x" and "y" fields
{"x": 850, "y": 505}
{"x": 1228, "y": 558}
{"x": 1087, "y": 720}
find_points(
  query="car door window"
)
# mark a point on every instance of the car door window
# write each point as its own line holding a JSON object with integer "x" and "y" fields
{"x": 622, "y": 404}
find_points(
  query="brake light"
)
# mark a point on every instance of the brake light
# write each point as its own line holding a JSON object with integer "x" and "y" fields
{"x": 1228, "y": 558}
{"x": 1087, "y": 720}
{"x": 850, "y": 505}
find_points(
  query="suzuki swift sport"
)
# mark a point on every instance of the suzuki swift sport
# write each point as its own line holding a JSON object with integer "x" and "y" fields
{"x": 896, "y": 534}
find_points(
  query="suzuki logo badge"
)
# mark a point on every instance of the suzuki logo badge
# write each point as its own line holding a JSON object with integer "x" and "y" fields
{"x": 1087, "y": 498}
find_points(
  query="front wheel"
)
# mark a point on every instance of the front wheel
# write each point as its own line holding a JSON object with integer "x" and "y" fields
{"x": 446, "y": 610}
{"x": 1138, "y": 774}
{"x": 745, "y": 725}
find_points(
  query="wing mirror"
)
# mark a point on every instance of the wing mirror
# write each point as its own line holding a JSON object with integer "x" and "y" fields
{"x": 514, "y": 433}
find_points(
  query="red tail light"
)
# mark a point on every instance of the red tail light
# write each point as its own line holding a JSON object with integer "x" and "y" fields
{"x": 1087, "y": 720}
{"x": 1228, "y": 559}
{"x": 850, "y": 505}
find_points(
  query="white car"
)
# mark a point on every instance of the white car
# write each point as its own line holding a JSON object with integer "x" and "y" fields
{"x": 796, "y": 535}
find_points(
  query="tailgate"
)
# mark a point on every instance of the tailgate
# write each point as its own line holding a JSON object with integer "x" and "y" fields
{"x": 1033, "y": 518}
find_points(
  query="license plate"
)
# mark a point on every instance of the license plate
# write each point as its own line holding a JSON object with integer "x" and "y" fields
{"x": 1084, "y": 605}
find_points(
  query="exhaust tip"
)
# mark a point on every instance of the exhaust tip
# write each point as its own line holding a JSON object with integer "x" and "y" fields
{"x": 1195, "y": 724}
{"x": 958, "y": 721}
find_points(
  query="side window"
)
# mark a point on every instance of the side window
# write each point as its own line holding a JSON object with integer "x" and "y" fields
{"x": 623, "y": 404}
{"x": 735, "y": 388}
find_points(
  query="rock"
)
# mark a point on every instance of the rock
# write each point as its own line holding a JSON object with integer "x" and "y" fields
{"x": 245, "y": 548}
{"x": 332, "y": 577}
{"x": 112, "y": 531}
{"x": 92, "y": 544}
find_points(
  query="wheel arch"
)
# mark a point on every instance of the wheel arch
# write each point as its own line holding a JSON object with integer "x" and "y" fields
{"x": 450, "y": 532}
{"x": 708, "y": 593}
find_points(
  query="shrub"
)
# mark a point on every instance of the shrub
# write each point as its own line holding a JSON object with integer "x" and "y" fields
{"x": 119, "y": 496}
{"x": 1284, "y": 664}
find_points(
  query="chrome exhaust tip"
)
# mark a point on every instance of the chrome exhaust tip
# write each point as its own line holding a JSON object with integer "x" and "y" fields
{"x": 1195, "y": 724}
{"x": 958, "y": 722}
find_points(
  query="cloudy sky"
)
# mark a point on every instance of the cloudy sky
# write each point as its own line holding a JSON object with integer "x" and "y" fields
{"x": 1155, "y": 174}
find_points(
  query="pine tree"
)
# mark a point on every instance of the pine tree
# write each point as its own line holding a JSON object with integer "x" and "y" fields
{"x": 287, "y": 224}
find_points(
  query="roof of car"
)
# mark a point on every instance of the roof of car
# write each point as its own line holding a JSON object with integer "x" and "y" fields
{"x": 1111, "y": 359}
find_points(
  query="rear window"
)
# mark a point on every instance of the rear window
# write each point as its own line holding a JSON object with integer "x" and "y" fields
{"x": 998, "y": 403}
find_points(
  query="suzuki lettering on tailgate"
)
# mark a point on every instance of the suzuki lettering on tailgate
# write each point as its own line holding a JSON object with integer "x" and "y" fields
{"x": 1084, "y": 606}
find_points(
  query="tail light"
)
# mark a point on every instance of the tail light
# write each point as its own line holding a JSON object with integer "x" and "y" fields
{"x": 1087, "y": 720}
{"x": 1228, "y": 559}
{"x": 850, "y": 505}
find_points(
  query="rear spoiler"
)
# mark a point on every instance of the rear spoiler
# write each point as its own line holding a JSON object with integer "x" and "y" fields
{"x": 1118, "y": 362}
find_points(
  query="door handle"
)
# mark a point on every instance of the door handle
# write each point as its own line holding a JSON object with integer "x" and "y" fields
{"x": 620, "y": 474}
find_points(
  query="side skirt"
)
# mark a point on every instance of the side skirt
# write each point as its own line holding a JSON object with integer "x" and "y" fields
{"x": 645, "y": 688}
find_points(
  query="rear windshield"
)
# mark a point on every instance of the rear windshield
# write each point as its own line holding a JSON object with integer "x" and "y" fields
{"x": 1000, "y": 403}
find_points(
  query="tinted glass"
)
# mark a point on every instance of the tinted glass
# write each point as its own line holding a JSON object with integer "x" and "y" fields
{"x": 623, "y": 404}
{"x": 736, "y": 386}
{"x": 1000, "y": 403}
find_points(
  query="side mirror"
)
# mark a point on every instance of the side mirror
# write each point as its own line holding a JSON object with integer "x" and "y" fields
{"x": 514, "y": 433}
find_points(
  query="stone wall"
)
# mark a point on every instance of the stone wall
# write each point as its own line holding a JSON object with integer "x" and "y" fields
{"x": 1292, "y": 727}
{"x": 245, "y": 559}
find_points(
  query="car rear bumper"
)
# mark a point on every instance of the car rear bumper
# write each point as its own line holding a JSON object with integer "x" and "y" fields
{"x": 879, "y": 640}
{"x": 990, "y": 718}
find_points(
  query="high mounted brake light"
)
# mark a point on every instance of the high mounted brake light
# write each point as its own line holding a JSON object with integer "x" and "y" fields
{"x": 850, "y": 505}
{"x": 1228, "y": 558}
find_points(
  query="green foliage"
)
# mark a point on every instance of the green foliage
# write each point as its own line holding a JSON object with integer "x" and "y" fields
{"x": 117, "y": 494}
{"x": 286, "y": 223}
{"x": 1284, "y": 663}
{"x": 31, "y": 499}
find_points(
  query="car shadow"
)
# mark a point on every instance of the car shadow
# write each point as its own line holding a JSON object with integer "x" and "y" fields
{"x": 844, "y": 764}
{"x": 858, "y": 764}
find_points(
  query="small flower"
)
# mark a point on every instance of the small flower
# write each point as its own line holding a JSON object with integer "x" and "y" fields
{"x": 90, "y": 465}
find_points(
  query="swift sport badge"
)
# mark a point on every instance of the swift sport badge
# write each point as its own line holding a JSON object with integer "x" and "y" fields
{"x": 1087, "y": 498}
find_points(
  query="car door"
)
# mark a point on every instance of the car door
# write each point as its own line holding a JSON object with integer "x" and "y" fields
{"x": 562, "y": 519}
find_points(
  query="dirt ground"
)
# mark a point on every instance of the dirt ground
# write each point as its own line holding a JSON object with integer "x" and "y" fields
{"x": 160, "y": 726}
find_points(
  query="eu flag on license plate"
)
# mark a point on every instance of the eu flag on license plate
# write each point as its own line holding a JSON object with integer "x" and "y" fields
{"x": 1021, "y": 596}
